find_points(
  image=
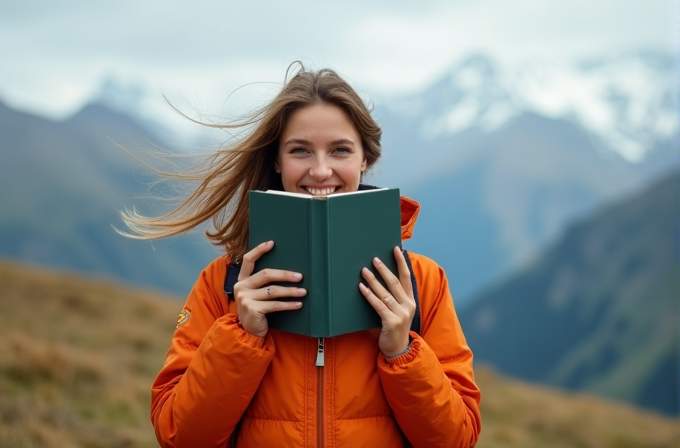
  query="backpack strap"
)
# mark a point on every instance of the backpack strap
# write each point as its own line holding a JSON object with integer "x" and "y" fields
{"x": 415, "y": 323}
{"x": 234, "y": 269}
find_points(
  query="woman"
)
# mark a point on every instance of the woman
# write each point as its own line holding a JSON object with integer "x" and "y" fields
{"x": 228, "y": 380}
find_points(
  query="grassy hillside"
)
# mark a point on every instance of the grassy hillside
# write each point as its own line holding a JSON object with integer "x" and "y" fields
{"x": 78, "y": 358}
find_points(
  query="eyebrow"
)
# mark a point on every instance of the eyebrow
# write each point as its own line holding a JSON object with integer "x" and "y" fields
{"x": 301, "y": 141}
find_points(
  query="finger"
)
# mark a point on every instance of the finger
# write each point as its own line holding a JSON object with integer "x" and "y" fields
{"x": 277, "y": 305}
{"x": 393, "y": 283}
{"x": 404, "y": 272}
{"x": 376, "y": 287}
{"x": 277, "y": 292}
{"x": 378, "y": 304}
{"x": 249, "y": 259}
{"x": 253, "y": 308}
{"x": 381, "y": 298}
{"x": 267, "y": 276}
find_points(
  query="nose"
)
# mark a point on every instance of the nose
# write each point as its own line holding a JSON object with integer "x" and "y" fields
{"x": 321, "y": 169}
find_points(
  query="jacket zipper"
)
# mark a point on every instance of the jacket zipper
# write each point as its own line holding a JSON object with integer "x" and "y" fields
{"x": 319, "y": 393}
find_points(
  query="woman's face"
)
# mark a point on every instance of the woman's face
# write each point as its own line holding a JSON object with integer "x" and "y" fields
{"x": 320, "y": 152}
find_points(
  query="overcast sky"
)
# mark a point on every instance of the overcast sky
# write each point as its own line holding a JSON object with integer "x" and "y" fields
{"x": 54, "y": 55}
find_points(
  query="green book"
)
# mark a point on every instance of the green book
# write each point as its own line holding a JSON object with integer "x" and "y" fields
{"x": 328, "y": 239}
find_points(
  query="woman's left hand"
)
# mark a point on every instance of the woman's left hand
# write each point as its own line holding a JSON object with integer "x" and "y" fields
{"x": 396, "y": 307}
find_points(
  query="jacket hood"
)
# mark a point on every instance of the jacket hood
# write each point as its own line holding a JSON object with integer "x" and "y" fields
{"x": 409, "y": 215}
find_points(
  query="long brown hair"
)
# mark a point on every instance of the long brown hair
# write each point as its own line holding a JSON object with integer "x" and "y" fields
{"x": 225, "y": 177}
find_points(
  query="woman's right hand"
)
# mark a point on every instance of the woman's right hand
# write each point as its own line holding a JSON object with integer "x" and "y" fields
{"x": 254, "y": 294}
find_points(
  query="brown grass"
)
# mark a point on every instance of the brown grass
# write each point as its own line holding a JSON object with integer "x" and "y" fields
{"x": 517, "y": 414}
{"x": 78, "y": 358}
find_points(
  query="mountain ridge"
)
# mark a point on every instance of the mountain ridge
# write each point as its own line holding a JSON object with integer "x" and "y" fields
{"x": 597, "y": 310}
{"x": 61, "y": 186}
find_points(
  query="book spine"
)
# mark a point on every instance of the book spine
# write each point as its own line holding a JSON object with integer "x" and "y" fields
{"x": 319, "y": 233}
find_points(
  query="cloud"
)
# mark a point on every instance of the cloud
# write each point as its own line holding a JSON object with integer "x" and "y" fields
{"x": 57, "y": 53}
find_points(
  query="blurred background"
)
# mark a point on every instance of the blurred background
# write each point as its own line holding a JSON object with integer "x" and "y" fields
{"x": 541, "y": 139}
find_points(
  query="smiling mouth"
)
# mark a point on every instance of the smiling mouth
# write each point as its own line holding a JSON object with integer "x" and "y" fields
{"x": 321, "y": 191}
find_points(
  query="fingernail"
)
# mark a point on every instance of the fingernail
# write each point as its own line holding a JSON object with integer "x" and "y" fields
{"x": 362, "y": 287}
{"x": 297, "y": 275}
{"x": 376, "y": 260}
{"x": 301, "y": 291}
{"x": 365, "y": 270}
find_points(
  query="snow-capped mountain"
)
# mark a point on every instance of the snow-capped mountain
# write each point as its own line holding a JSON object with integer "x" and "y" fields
{"x": 627, "y": 102}
{"x": 504, "y": 159}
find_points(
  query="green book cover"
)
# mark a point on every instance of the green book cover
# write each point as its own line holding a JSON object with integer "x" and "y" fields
{"x": 328, "y": 239}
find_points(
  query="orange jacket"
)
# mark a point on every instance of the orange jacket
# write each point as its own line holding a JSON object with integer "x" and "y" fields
{"x": 217, "y": 375}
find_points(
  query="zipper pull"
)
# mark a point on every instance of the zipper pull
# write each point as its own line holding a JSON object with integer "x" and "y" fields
{"x": 319, "y": 353}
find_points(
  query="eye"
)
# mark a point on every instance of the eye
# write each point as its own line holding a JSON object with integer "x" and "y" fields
{"x": 342, "y": 150}
{"x": 297, "y": 150}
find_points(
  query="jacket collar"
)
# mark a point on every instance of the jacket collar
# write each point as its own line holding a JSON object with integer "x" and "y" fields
{"x": 409, "y": 215}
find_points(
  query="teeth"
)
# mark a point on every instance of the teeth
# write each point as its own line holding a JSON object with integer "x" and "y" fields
{"x": 320, "y": 191}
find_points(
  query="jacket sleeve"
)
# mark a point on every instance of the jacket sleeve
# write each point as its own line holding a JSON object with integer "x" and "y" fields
{"x": 211, "y": 372}
{"x": 431, "y": 387}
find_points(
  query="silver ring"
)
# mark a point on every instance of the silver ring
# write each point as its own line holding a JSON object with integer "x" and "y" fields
{"x": 269, "y": 291}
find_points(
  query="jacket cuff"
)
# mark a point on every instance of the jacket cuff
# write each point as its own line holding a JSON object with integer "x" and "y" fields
{"x": 409, "y": 355}
{"x": 245, "y": 338}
